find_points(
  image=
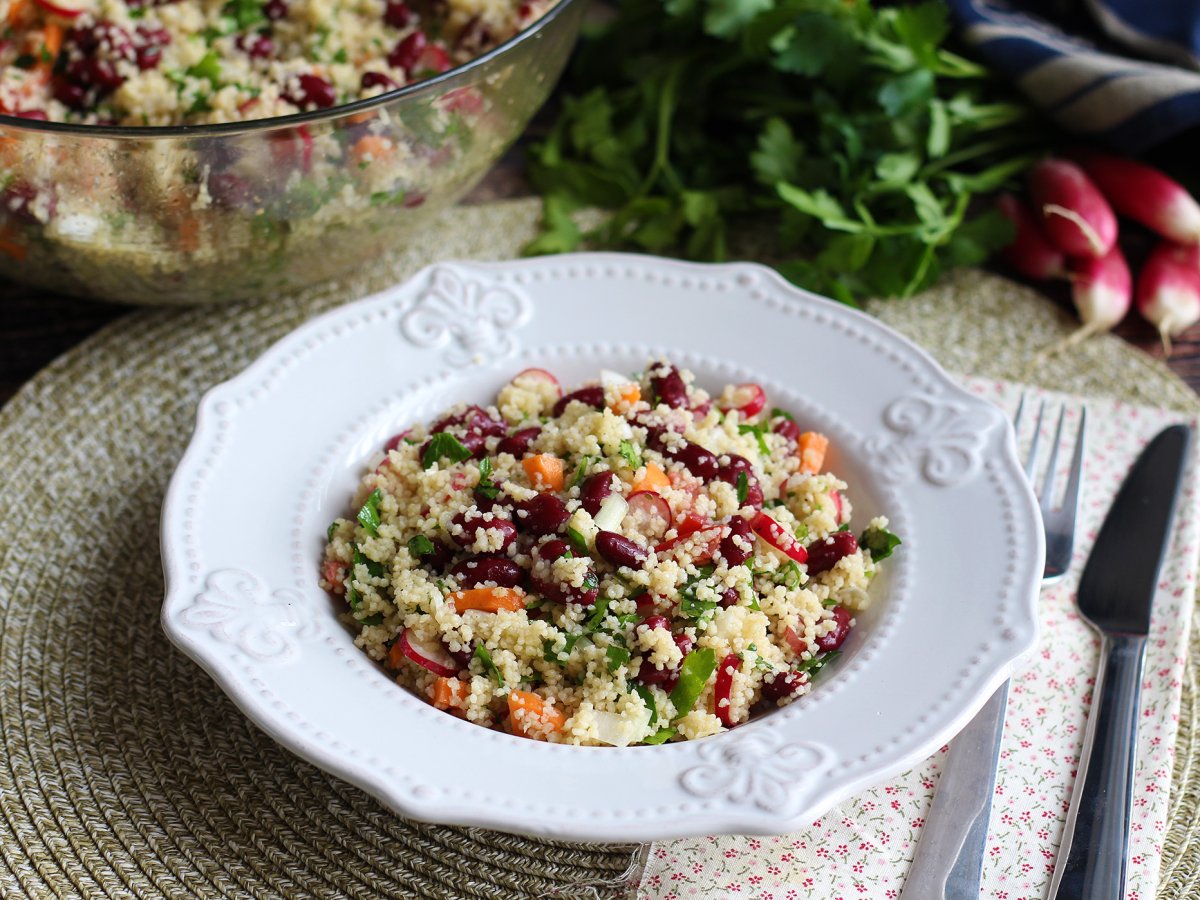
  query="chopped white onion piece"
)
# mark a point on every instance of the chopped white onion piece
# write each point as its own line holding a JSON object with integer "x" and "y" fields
{"x": 620, "y": 731}
{"x": 611, "y": 513}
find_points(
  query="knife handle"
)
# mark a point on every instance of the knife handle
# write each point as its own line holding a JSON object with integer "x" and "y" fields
{"x": 1092, "y": 857}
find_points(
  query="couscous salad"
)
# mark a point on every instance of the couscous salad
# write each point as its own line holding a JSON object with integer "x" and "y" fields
{"x": 632, "y": 562}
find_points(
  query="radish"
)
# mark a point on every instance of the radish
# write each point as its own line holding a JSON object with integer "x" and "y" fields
{"x": 533, "y": 379}
{"x": 748, "y": 399}
{"x": 1074, "y": 214}
{"x": 723, "y": 688}
{"x": 67, "y": 9}
{"x": 1145, "y": 195}
{"x": 1101, "y": 288}
{"x": 778, "y": 537}
{"x": 652, "y": 512}
{"x": 431, "y": 655}
{"x": 1030, "y": 253}
{"x": 1168, "y": 289}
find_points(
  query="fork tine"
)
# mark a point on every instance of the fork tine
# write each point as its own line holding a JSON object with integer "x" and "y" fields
{"x": 1071, "y": 497}
{"x": 1031, "y": 460}
{"x": 1047, "y": 497}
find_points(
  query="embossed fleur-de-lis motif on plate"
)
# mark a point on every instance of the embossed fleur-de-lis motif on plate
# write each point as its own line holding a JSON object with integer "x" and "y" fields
{"x": 757, "y": 768}
{"x": 475, "y": 317}
{"x": 236, "y": 608}
{"x": 937, "y": 439}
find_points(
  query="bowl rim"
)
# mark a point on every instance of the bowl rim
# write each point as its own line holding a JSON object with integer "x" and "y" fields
{"x": 273, "y": 123}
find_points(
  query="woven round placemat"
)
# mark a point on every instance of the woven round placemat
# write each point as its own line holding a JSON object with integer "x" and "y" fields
{"x": 125, "y": 772}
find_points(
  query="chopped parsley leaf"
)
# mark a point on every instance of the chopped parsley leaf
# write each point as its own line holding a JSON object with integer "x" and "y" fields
{"x": 617, "y": 657}
{"x": 631, "y": 455}
{"x": 486, "y": 486}
{"x": 419, "y": 546}
{"x": 581, "y": 471}
{"x": 485, "y": 660}
{"x": 743, "y": 487}
{"x": 880, "y": 542}
{"x": 443, "y": 445}
{"x": 368, "y": 516}
{"x": 817, "y": 663}
{"x": 648, "y": 698}
{"x": 330, "y": 530}
{"x": 376, "y": 619}
{"x": 209, "y": 68}
{"x": 695, "y": 670}
{"x": 577, "y": 541}
{"x": 778, "y": 413}
{"x": 661, "y": 736}
{"x": 759, "y": 431}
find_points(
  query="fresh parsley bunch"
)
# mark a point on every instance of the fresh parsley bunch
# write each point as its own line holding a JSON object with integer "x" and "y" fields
{"x": 848, "y": 128}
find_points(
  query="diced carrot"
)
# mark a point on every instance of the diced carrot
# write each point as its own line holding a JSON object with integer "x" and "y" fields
{"x": 545, "y": 471}
{"x": 488, "y": 599}
{"x": 654, "y": 480}
{"x": 371, "y": 148}
{"x": 628, "y": 395}
{"x": 16, "y": 12}
{"x": 531, "y": 717}
{"x": 9, "y": 247}
{"x": 448, "y": 692}
{"x": 396, "y": 656}
{"x": 812, "y": 447}
{"x": 52, "y": 38}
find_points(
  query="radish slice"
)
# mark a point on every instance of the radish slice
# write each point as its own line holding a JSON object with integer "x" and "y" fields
{"x": 1145, "y": 195}
{"x": 723, "y": 687}
{"x": 611, "y": 512}
{"x": 1168, "y": 289}
{"x": 777, "y": 536}
{"x": 703, "y": 545}
{"x": 67, "y": 9}
{"x": 797, "y": 643}
{"x": 748, "y": 399}
{"x": 836, "y": 497}
{"x": 533, "y": 379}
{"x": 1074, "y": 214}
{"x": 1030, "y": 253}
{"x": 431, "y": 655}
{"x": 651, "y": 512}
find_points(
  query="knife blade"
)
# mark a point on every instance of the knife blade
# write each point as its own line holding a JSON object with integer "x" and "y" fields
{"x": 1116, "y": 596}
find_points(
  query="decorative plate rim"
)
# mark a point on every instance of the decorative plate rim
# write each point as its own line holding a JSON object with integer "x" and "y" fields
{"x": 202, "y": 603}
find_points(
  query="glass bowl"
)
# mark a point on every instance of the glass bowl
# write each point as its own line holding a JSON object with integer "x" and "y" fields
{"x": 250, "y": 210}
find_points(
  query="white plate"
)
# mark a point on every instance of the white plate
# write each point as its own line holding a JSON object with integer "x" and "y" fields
{"x": 277, "y": 452}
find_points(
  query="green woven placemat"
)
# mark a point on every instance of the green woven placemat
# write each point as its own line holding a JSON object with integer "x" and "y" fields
{"x": 126, "y": 772}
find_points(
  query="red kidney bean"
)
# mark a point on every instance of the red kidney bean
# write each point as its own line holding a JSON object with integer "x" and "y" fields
{"x": 473, "y": 418}
{"x": 407, "y": 51}
{"x": 734, "y": 554}
{"x": 70, "y": 94}
{"x": 837, "y": 637}
{"x": 669, "y": 388}
{"x": 620, "y": 551}
{"x": 518, "y": 442}
{"x": 656, "y": 622}
{"x": 730, "y": 597}
{"x": 824, "y": 555}
{"x": 754, "y": 494}
{"x": 473, "y": 572}
{"x": 18, "y": 200}
{"x": 36, "y": 114}
{"x": 729, "y": 471}
{"x": 543, "y": 514}
{"x": 438, "y": 558}
{"x": 275, "y": 9}
{"x": 644, "y": 602}
{"x": 584, "y": 595}
{"x": 648, "y": 673}
{"x": 788, "y": 429}
{"x": 592, "y": 396}
{"x": 595, "y": 490}
{"x": 696, "y": 460}
{"x": 397, "y": 14}
{"x": 256, "y": 46}
{"x": 473, "y": 522}
{"x": 230, "y": 191}
{"x": 462, "y": 656}
{"x": 312, "y": 90}
{"x": 377, "y": 79}
{"x": 784, "y": 685}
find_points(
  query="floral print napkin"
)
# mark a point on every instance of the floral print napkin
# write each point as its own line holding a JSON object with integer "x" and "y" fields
{"x": 863, "y": 848}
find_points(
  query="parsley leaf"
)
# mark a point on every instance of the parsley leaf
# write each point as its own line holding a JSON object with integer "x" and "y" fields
{"x": 419, "y": 546}
{"x": 617, "y": 657}
{"x": 817, "y": 663}
{"x": 880, "y": 542}
{"x": 743, "y": 487}
{"x": 577, "y": 541}
{"x": 486, "y": 486}
{"x": 661, "y": 736}
{"x": 443, "y": 445}
{"x": 631, "y": 455}
{"x": 489, "y": 667}
{"x": 695, "y": 670}
{"x": 368, "y": 515}
{"x": 581, "y": 470}
{"x": 760, "y": 432}
{"x": 648, "y": 698}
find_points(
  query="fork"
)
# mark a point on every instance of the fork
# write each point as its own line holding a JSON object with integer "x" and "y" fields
{"x": 957, "y": 824}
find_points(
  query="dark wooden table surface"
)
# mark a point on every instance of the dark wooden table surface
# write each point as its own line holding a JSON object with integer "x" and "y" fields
{"x": 35, "y": 327}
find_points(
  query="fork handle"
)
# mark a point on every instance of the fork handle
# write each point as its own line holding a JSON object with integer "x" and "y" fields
{"x": 1092, "y": 857}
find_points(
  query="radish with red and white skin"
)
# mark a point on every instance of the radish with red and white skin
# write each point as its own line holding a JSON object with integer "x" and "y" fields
{"x": 778, "y": 537}
{"x": 1074, "y": 215}
{"x": 1145, "y": 195}
{"x": 1102, "y": 289}
{"x": 723, "y": 689}
{"x": 1168, "y": 289}
{"x": 748, "y": 399}
{"x": 651, "y": 512}
{"x": 431, "y": 655}
{"x": 533, "y": 379}
{"x": 1030, "y": 252}
{"x": 66, "y": 9}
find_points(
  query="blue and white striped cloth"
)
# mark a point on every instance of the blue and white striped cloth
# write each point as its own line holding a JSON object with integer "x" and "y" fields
{"x": 1140, "y": 88}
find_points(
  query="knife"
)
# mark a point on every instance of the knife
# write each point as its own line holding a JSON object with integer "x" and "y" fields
{"x": 1116, "y": 593}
